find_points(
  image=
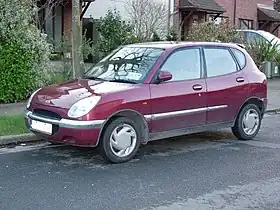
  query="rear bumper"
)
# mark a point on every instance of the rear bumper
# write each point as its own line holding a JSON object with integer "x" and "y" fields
{"x": 74, "y": 132}
{"x": 265, "y": 102}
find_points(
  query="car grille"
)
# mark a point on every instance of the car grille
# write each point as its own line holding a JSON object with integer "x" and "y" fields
{"x": 47, "y": 114}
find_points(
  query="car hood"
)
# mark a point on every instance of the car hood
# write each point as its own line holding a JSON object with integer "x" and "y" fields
{"x": 64, "y": 95}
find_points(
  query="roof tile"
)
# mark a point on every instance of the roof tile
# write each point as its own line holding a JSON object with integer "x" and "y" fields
{"x": 210, "y": 5}
{"x": 268, "y": 14}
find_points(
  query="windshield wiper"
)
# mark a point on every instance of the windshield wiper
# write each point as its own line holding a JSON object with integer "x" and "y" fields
{"x": 123, "y": 81}
{"x": 94, "y": 78}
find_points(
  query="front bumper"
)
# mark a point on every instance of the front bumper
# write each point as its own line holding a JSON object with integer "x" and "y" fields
{"x": 74, "y": 132}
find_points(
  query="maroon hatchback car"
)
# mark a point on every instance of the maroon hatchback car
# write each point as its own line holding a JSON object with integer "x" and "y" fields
{"x": 150, "y": 91}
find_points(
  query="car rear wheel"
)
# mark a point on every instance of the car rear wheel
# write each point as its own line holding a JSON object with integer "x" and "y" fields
{"x": 120, "y": 141}
{"x": 248, "y": 123}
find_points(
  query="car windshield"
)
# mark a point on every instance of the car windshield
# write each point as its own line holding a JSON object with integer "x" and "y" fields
{"x": 270, "y": 37}
{"x": 127, "y": 64}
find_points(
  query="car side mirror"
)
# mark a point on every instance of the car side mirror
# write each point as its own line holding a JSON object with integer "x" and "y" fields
{"x": 164, "y": 76}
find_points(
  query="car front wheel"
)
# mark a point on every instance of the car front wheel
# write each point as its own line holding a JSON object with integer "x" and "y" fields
{"x": 120, "y": 141}
{"x": 248, "y": 123}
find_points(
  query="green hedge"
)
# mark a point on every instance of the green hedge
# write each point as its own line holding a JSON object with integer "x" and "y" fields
{"x": 17, "y": 78}
{"x": 209, "y": 32}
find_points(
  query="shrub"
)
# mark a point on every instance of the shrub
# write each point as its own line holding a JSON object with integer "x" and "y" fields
{"x": 210, "y": 31}
{"x": 172, "y": 36}
{"x": 15, "y": 74}
{"x": 58, "y": 77}
{"x": 155, "y": 37}
{"x": 18, "y": 30}
{"x": 262, "y": 51}
{"x": 114, "y": 32}
{"x": 64, "y": 46}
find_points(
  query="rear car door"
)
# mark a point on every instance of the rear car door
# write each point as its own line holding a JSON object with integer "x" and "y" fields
{"x": 180, "y": 102}
{"x": 227, "y": 85}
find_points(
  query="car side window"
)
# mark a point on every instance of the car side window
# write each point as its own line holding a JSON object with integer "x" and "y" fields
{"x": 219, "y": 61}
{"x": 240, "y": 57}
{"x": 183, "y": 64}
{"x": 254, "y": 37}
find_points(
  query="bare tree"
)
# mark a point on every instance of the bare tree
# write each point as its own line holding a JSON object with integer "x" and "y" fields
{"x": 147, "y": 17}
{"x": 277, "y": 5}
{"x": 47, "y": 6}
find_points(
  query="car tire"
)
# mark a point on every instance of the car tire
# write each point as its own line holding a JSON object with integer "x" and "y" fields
{"x": 248, "y": 123}
{"x": 120, "y": 140}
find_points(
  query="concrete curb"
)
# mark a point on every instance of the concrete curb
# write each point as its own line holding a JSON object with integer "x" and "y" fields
{"x": 20, "y": 104}
{"x": 17, "y": 139}
{"x": 30, "y": 137}
{"x": 274, "y": 111}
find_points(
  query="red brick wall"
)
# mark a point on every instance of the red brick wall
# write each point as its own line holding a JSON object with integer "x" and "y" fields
{"x": 245, "y": 9}
{"x": 228, "y": 5}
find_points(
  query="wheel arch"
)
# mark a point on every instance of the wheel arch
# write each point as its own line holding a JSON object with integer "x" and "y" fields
{"x": 252, "y": 100}
{"x": 133, "y": 115}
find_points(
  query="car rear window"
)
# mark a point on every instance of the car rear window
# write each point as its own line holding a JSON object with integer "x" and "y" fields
{"x": 241, "y": 59}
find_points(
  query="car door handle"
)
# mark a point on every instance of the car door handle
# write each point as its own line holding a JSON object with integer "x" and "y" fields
{"x": 240, "y": 79}
{"x": 197, "y": 87}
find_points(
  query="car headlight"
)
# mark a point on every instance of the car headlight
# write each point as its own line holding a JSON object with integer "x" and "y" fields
{"x": 31, "y": 97}
{"x": 83, "y": 106}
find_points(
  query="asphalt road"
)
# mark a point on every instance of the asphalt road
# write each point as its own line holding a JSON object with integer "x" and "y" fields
{"x": 211, "y": 170}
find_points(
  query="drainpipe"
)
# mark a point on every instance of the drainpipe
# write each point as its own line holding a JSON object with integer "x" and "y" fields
{"x": 234, "y": 12}
{"x": 168, "y": 17}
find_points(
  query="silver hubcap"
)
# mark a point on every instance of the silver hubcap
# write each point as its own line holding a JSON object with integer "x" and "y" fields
{"x": 251, "y": 121}
{"x": 123, "y": 140}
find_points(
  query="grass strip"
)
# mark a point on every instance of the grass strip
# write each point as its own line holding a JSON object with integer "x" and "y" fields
{"x": 12, "y": 125}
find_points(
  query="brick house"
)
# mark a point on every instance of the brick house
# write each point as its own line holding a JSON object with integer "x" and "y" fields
{"x": 56, "y": 20}
{"x": 186, "y": 12}
{"x": 252, "y": 14}
{"x": 244, "y": 14}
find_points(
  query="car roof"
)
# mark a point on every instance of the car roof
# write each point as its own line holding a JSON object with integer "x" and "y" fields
{"x": 172, "y": 44}
{"x": 251, "y": 30}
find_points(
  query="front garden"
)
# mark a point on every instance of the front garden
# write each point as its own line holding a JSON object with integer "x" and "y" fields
{"x": 26, "y": 61}
{"x": 26, "y": 58}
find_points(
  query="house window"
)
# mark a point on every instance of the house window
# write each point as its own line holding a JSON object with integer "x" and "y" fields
{"x": 245, "y": 24}
{"x": 57, "y": 35}
{"x": 51, "y": 23}
{"x": 217, "y": 20}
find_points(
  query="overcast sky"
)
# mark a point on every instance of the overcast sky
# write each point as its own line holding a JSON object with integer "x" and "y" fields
{"x": 100, "y": 7}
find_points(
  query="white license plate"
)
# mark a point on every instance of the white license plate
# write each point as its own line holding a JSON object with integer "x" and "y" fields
{"x": 41, "y": 127}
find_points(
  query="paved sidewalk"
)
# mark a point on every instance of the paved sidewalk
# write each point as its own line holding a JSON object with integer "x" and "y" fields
{"x": 12, "y": 109}
{"x": 273, "y": 100}
{"x": 273, "y": 94}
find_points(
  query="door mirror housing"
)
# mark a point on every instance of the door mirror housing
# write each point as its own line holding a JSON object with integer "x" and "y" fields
{"x": 164, "y": 76}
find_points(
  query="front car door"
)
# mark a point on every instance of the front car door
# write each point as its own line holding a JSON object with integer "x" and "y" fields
{"x": 254, "y": 38}
{"x": 227, "y": 86}
{"x": 180, "y": 102}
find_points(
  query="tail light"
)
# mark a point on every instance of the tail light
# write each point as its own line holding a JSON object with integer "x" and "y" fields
{"x": 265, "y": 81}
